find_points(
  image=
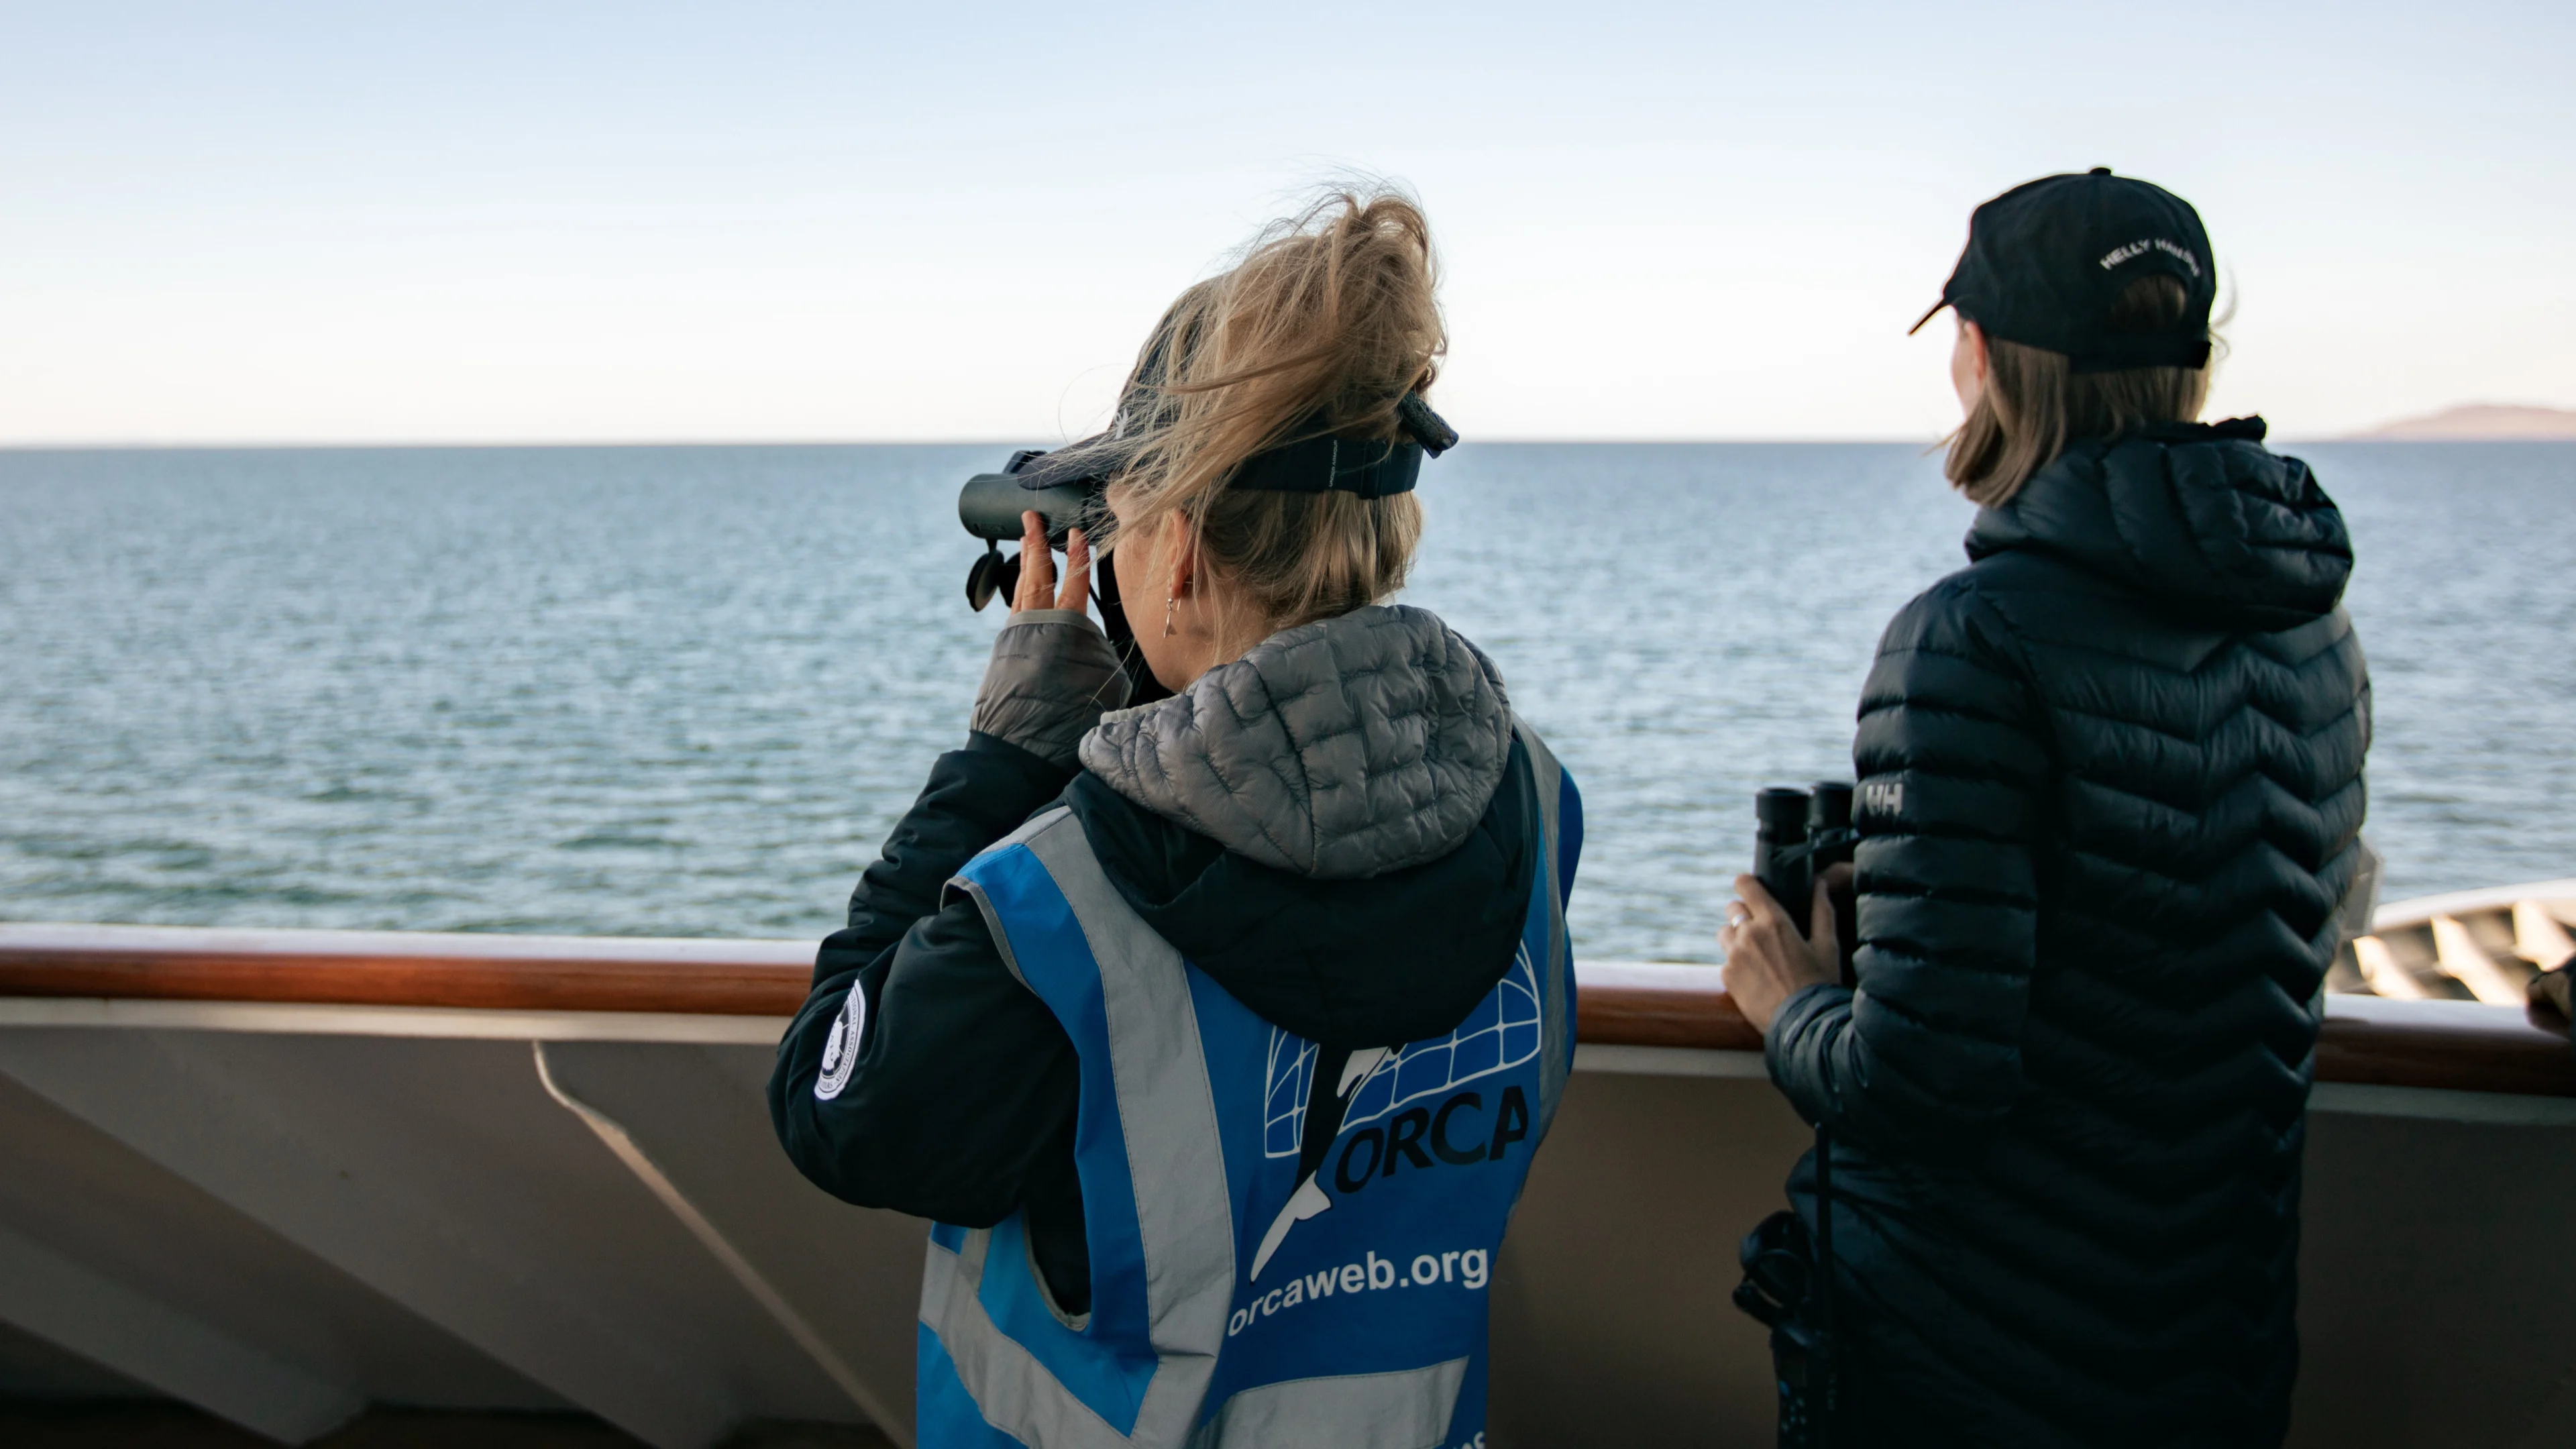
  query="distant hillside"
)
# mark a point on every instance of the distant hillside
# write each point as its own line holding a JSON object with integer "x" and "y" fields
{"x": 2480, "y": 422}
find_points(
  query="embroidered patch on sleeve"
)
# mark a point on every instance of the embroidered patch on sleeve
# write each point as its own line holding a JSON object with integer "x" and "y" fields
{"x": 841, "y": 1048}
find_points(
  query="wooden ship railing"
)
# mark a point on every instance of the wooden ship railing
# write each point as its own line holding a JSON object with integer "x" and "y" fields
{"x": 2366, "y": 1040}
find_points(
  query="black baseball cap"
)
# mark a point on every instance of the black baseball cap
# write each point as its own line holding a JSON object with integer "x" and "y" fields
{"x": 2047, "y": 260}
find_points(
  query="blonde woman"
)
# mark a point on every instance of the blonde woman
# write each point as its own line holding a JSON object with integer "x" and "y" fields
{"x": 1216, "y": 1034}
{"x": 2110, "y": 800}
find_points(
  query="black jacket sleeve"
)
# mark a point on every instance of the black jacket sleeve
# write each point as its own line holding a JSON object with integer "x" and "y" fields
{"x": 964, "y": 1090}
{"x": 1953, "y": 767}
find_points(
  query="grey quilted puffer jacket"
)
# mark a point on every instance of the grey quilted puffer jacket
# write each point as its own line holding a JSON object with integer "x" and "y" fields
{"x": 2111, "y": 797}
{"x": 1336, "y": 750}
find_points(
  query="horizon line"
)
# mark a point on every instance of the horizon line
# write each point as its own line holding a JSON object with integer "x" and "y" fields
{"x": 496, "y": 445}
{"x": 485, "y": 444}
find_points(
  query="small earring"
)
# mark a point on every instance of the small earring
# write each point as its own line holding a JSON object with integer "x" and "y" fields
{"x": 1168, "y": 604}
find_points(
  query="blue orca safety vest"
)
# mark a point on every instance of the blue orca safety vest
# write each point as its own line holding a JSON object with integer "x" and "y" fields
{"x": 1290, "y": 1245}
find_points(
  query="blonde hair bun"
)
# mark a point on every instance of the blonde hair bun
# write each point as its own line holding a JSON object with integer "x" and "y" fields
{"x": 1332, "y": 313}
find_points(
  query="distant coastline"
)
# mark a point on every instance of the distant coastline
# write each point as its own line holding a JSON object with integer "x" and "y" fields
{"x": 2478, "y": 422}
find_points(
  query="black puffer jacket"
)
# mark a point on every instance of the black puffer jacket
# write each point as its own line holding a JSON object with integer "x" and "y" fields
{"x": 2111, "y": 794}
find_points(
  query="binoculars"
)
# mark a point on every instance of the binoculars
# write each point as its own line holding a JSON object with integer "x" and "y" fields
{"x": 990, "y": 506}
{"x": 1067, "y": 494}
{"x": 1797, "y": 835}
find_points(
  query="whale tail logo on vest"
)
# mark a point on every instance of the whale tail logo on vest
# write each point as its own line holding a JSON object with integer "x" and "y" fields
{"x": 1318, "y": 1094}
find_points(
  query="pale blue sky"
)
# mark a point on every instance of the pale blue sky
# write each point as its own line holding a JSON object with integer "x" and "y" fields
{"x": 463, "y": 222}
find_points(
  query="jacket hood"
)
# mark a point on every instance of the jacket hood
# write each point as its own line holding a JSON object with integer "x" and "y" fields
{"x": 2200, "y": 517}
{"x": 1393, "y": 958}
{"x": 1338, "y": 828}
{"x": 1336, "y": 750}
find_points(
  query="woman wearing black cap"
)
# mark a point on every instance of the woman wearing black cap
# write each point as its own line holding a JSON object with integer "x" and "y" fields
{"x": 2110, "y": 798}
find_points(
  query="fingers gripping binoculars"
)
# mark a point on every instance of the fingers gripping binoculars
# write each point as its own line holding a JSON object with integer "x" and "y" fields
{"x": 1066, "y": 496}
{"x": 1797, "y": 836}
{"x": 1788, "y": 1273}
{"x": 990, "y": 506}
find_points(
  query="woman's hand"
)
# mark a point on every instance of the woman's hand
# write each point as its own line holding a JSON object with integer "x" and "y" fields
{"x": 1767, "y": 961}
{"x": 1037, "y": 588}
{"x": 1051, "y": 676}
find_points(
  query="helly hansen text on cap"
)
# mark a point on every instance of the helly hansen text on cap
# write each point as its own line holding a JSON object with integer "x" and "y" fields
{"x": 2047, "y": 261}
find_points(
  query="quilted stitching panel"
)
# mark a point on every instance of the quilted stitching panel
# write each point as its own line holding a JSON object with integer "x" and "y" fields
{"x": 1337, "y": 750}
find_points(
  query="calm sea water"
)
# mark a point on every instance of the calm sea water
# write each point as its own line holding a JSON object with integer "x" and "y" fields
{"x": 685, "y": 691}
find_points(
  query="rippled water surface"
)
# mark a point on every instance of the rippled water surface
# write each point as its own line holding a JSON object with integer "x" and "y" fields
{"x": 685, "y": 691}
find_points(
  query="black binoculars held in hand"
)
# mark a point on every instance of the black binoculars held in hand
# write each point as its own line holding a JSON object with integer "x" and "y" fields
{"x": 1797, "y": 836}
{"x": 1789, "y": 1275}
{"x": 990, "y": 506}
{"x": 1068, "y": 490}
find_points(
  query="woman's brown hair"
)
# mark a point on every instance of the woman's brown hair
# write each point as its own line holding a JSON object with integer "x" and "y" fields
{"x": 2035, "y": 403}
{"x": 1327, "y": 321}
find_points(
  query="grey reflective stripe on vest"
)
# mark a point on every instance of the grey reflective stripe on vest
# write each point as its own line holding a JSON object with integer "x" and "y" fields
{"x": 993, "y": 923}
{"x": 1166, "y": 1109}
{"x": 1556, "y": 1044}
{"x": 1406, "y": 1410}
{"x": 1176, "y": 1159}
{"x": 1012, "y": 1389}
{"x": 1167, "y": 1113}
